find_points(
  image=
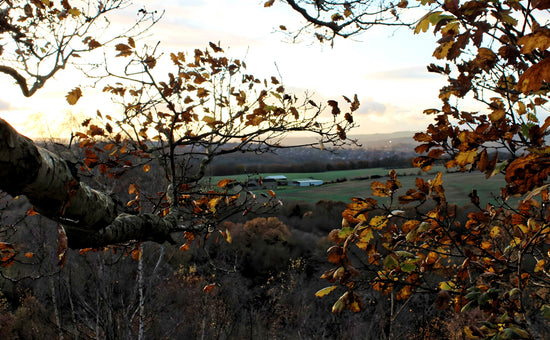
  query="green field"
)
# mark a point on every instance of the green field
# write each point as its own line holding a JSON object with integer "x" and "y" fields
{"x": 457, "y": 185}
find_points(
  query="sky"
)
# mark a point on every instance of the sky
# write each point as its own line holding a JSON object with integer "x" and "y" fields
{"x": 385, "y": 67}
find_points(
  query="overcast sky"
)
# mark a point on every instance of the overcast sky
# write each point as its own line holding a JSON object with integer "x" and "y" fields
{"x": 385, "y": 67}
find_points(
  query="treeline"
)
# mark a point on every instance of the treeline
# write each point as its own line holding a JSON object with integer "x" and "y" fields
{"x": 310, "y": 160}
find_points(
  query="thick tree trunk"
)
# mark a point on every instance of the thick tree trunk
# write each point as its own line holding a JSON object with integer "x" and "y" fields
{"x": 90, "y": 217}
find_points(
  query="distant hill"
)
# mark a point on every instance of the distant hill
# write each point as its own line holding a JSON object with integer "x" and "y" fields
{"x": 374, "y": 140}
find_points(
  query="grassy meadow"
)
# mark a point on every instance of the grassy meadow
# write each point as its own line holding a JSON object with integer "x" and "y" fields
{"x": 357, "y": 183}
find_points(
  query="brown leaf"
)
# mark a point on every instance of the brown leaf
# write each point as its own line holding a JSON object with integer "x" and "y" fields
{"x": 74, "y": 96}
{"x": 532, "y": 78}
{"x": 124, "y": 50}
{"x": 92, "y": 44}
{"x": 334, "y": 105}
{"x": 540, "y": 39}
{"x": 269, "y": 3}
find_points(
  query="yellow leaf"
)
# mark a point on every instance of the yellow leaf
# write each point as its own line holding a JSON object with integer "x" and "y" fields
{"x": 448, "y": 285}
{"x": 540, "y": 266}
{"x": 423, "y": 24}
{"x": 437, "y": 181}
{"x": 366, "y": 235}
{"x": 74, "y": 12}
{"x": 228, "y": 237}
{"x": 74, "y": 96}
{"x": 208, "y": 119}
{"x": 146, "y": 167}
{"x": 325, "y": 291}
{"x": 497, "y": 115}
{"x": 495, "y": 231}
{"x": 466, "y": 157}
{"x": 486, "y": 245}
{"x": 213, "y": 203}
{"x": 378, "y": 222}
{"x": 443, "y": 49}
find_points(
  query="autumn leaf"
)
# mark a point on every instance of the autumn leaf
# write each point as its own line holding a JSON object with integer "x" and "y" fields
{"x": 93, "y": 44}
{"x": 31, "y": 212}
{"x": 224, "y": 182}
{"x": 539, "y": 266}
{"x": 325, "y": 291}
{"x": 540, "y": 39}
{"x": 124, "y": 50}
{"x": 133, "y": 188}
{"x": 269, "y": 3}
{"x": 29, "y": 255}
{"x": 74, "y": 12}
{"x": 208, "y": 288}
{"x": 532, "y": 78}
{"x": 146, "y": 168}
{"x": 466, "y": 157}
{"x": 137, "y": 253}
{"x": 74, "y": 96}
{"x": 227, "y": 236}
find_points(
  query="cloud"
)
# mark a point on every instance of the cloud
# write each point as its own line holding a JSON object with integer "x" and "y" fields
{"x": 4, "y": 105}
{"x": 369, "y": 106}
{"x": 413, "y": 72}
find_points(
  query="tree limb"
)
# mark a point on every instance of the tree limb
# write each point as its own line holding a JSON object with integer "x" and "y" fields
{"x": 90, "y": 217}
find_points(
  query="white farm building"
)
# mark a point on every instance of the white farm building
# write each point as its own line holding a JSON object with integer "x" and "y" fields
{"x": 306, "y": 182}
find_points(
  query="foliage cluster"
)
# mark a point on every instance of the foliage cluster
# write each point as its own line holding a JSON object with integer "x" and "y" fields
{"x": 495, "y": 263}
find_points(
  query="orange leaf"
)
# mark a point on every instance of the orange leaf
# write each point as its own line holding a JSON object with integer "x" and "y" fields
{"x": 136, "y": 253}
{"x": 269, "y": 3}
{"x": 133, "y": 188}
{"x": 208, "y": 288}
{"x": 271, "y": 193}
{"x": 224, "y": 182}
{"x": 146, "y": 167}
{"x": 31, "y": 212}
{"x": 29, "y": 255}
